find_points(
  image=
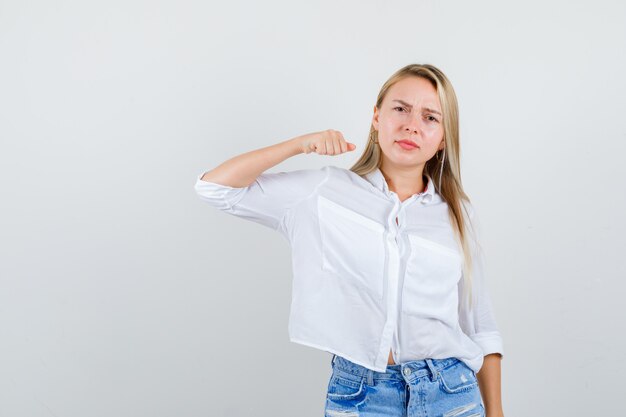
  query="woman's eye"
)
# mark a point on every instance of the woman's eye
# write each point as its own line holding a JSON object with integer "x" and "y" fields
{"x": 432, "y": 118}
{"x": 401, "y": 108}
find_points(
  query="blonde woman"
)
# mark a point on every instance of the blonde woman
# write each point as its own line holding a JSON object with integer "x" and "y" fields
{"x": 388, "y": 270}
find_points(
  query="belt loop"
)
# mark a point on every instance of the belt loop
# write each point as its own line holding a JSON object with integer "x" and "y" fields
{"x": 370, "y": 377}
{"x": 433, "y": 369}
{"x": 332, "y": 361}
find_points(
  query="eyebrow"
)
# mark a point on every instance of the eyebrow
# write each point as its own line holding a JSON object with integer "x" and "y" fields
{"x": 426, "y": 108}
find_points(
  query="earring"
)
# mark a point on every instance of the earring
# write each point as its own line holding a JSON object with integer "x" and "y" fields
{"x": 442, "y": 151}
{"x": 443, "y": 158}
{"x": 372, "y": 139}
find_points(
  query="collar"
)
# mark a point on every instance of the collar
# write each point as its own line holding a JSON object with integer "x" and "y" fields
{"x": 377, "y": 179}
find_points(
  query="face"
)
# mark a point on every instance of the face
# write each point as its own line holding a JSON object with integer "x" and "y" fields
{"x": 410, "y": 111}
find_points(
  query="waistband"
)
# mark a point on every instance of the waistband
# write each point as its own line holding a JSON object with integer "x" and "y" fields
{"x": 407, "y": 371}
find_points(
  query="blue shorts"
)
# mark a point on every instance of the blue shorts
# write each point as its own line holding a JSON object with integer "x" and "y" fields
{"x": 424, "y": 388}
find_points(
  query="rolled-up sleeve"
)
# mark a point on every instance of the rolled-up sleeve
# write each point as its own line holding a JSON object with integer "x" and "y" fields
{"x": 267, "y": 199}
{"x": 479, "y": 322}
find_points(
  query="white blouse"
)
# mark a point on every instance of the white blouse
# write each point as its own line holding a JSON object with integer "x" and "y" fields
{"x": 363, "y": 284}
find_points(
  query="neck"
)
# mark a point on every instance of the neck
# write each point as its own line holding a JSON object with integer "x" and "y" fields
{"x": 404, "y": 181}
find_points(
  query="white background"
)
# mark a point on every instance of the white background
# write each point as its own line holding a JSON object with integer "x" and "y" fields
{"x": 122, "y": 294}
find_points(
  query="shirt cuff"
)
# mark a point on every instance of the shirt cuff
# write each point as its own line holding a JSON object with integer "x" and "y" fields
{"x": 489, "y": 342}
{"x": 220, "y": 196}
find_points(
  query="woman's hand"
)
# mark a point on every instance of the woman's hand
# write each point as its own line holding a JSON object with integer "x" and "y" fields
{"x": 326, "y": 142}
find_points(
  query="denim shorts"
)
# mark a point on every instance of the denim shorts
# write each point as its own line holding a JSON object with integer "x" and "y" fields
{"x": 424, "y": 388}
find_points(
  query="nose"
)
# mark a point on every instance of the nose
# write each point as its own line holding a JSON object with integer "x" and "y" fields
{"x": 413, "y": 124}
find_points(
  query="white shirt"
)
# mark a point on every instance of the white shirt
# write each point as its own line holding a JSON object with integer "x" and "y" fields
{"x": 362, "y": 284}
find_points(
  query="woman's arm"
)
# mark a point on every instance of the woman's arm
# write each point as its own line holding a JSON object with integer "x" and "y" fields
{"x": 479, "y": 323}
{"x": 489, "y": 377}
{"x": 243, "y": 169}
{"x": 240, "y": 186}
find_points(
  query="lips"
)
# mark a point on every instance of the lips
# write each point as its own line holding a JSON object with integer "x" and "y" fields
{"x": 408, "y": 142}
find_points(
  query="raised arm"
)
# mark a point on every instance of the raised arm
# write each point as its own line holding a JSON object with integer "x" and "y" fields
{"x": 243, "y": 169}
{"x": 240, "y": 186}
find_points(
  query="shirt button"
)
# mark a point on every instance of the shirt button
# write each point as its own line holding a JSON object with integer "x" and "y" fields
{"x": 406, "y": 371}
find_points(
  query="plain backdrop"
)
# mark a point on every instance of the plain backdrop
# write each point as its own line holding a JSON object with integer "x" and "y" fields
{"x": 122, "y": 294}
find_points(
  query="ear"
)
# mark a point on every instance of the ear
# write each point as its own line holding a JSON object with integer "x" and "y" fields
{"x": 375, "y": 118}
{"x": 442, "y": 145}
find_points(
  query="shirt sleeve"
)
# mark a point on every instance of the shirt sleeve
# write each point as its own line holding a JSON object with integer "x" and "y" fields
{"x": 479, "y": 323}
{"x": 267, "y": 199}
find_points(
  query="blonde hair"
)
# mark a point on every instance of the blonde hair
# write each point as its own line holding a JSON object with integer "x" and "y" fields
{"x": 450, "y": 187}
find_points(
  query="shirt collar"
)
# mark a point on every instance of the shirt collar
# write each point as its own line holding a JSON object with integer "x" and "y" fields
{"x": 377, "y": 179}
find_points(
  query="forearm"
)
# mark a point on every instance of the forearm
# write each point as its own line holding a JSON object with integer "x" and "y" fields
{"x": 242, "y": 170}
{"x": 489, "y": 382}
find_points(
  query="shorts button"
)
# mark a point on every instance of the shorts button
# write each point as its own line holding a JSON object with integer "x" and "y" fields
{"x": 406, "y": 371}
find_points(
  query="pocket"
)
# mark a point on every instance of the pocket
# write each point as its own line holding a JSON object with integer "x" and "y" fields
{"x": 457, "y": 378}
{"x": 353, "y": 245}
{"x": 345, "y": 389}
{"x": 430, "y": 283}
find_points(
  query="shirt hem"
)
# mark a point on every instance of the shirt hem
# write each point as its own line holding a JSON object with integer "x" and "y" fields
{"x": 336, "y": 352}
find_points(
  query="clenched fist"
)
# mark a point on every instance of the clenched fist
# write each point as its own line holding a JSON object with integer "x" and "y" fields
{"x": 326, "y": 142}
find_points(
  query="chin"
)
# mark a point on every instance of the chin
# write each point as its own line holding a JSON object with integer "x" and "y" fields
{"x": 405, "y": 162}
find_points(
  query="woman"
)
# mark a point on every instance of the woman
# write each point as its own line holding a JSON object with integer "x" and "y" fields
{"x": 388, "y": 272}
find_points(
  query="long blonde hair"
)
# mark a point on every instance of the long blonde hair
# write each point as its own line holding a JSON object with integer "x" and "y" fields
{"x": 449, "y": 178}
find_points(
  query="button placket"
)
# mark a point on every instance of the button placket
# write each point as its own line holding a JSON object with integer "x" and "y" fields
{"x": 392, "y": 280}
{"x": 399, "y": 225}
